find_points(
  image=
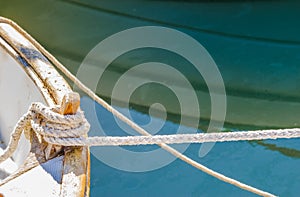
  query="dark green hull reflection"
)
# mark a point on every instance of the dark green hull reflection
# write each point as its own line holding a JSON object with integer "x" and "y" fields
{"x": 256, "y": 46}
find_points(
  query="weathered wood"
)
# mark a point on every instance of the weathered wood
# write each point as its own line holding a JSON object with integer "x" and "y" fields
{"x": 70, "y": 103}
{"x": 74, "y": 181}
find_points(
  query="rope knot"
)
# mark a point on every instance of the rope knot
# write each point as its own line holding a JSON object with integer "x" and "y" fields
{"x": 50, "y": 124}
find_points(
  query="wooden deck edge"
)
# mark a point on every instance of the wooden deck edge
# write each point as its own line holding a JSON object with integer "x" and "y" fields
{"x": 75, "y": 173}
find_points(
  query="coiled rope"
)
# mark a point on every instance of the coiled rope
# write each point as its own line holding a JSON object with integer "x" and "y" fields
{"x": 125, "y": 119}
{"x": 47, "y": 123}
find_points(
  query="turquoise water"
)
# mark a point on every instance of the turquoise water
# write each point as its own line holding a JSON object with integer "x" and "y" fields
{"x": 271, "y": 165}
{"x": 257, "y": 53}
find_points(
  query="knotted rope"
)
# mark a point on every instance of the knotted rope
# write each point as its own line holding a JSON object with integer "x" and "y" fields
{"x": 48, "y": 123}
{"x": 70, "y": 130}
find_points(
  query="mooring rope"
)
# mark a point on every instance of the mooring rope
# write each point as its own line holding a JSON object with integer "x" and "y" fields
{"x": 128, "y": 121}
{"x": 177, "y": 138}
{"x": 67, "y": 130}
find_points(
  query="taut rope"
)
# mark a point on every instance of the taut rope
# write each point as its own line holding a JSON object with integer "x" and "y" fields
{"x": 176, "y": 138}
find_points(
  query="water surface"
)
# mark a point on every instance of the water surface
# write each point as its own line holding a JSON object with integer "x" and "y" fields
{"x": 271, "y": 165}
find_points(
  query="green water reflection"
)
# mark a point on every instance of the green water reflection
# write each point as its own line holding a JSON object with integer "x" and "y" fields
{"x": 256, "y": 46}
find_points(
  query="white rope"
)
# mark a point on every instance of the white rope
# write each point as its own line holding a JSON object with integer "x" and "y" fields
{"x": 67, "y": 130}
{"x": 47, "y": 123}
{"x": 177, "y": 138}
{"x": 128, "y": 121}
